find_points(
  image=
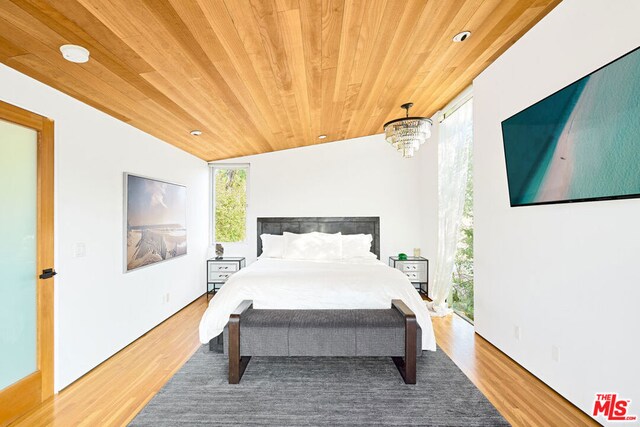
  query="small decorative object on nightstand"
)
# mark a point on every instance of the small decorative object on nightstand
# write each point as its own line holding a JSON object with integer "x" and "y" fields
{"x": 219, "y": 251}
{"x": 416, "y": 269}
{"x": 219, "y": 270}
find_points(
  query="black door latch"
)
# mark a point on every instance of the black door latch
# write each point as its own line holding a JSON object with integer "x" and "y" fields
{"x": 48, "y": 273}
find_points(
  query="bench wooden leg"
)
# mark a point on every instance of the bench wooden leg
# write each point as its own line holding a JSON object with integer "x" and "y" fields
{"x": 237, "y": 364}
{"x": 407, "y": 364}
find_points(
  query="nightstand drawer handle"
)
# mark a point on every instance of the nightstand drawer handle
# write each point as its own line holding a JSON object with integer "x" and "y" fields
{"x": 412, "y": 267}
{"x": 223, "y": 267}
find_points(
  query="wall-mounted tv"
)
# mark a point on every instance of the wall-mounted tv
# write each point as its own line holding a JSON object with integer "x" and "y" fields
{"x": 581, "y": 143}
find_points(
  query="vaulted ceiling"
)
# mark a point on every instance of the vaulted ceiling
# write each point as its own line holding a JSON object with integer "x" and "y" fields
{"x": 261, "y": 75}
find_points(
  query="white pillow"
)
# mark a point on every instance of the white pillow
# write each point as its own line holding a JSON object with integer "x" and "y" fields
{"x": 357, "y": 245}
{"x": 314, "y": 246}
{"x": 272, "y": 246}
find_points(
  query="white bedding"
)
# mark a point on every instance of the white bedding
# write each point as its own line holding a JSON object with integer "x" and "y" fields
{"x": 302, "y": 284}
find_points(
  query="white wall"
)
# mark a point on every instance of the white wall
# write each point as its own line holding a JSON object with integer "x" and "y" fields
{"x": 99, "y": 309}
{"x": 567, "y": 275}
{"x": 357, "y": 177}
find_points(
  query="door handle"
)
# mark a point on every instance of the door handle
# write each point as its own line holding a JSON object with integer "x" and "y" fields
{"x": 47, "y": 273}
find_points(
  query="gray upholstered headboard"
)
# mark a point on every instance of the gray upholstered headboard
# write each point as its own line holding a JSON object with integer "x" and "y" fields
{"x": 344, "y": 225}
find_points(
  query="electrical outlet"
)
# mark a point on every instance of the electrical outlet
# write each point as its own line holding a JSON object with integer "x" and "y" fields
{"x": 168, "y": 297}
{"x": 79, "y": 250}
{"x": 555, "y": 353}
{"x": 517, "y": 334}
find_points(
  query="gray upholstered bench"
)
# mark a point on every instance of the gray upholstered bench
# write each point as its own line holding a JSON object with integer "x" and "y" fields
{"x": 387, "y": 332}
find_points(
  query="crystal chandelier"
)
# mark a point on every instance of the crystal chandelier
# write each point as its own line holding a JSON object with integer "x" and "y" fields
{"x": 408, "y": 133}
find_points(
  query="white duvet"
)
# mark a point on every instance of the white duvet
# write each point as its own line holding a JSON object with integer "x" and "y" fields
{"x": 297, "y": 284}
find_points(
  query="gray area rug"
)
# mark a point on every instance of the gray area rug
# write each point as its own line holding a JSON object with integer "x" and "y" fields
{"x": 308, "y": 391}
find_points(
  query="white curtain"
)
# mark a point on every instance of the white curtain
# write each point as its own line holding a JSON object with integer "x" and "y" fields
{"x": 454, "y": 145}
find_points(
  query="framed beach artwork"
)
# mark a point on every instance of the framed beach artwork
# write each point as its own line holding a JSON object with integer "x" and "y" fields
{"x": 581, "y": 143}
{"x": 156, "y": 218}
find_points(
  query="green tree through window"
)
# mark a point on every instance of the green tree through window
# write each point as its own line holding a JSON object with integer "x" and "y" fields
{"x": 230, "y": 204}
{"x": 462, "y": 290}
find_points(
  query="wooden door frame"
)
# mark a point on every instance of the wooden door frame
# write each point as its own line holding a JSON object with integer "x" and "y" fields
{"x": 30, "y": 391}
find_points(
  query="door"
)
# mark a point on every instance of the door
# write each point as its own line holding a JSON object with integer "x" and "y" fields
{"x": 26, "y": 251}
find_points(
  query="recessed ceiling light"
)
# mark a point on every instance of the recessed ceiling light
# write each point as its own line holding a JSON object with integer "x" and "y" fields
{"x": 460, "y": 37}
{"x": 74, "y": 53}
{"x": 322, "y": 136}
{"x": 196, "y": 132}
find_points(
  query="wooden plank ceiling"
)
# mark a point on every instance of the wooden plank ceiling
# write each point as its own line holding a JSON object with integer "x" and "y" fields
{"x": 261, "y": 75}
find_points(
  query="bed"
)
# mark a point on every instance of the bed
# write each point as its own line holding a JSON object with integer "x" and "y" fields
{"x": 301, "y": 284}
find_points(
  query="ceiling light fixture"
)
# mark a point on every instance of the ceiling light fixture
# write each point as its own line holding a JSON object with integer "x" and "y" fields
{"x": 74, "y": 53}
{"x": 196, "y": 132}
{"x": 322, "y": 136}
{"x": 408, "y": 133}
{"x": 460, "y": 37}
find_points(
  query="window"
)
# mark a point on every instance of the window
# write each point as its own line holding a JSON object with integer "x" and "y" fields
{"x": 229, "y": 185}
{"x": 462, "y": 289}
{"x": 461, "y": 293}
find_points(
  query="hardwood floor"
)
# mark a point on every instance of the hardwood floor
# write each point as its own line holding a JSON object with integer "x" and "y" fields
{"x": 114, "y": 392}
{"x": 520, "y": 397}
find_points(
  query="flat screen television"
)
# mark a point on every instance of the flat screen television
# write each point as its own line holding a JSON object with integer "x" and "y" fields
{"x": 581, "y": 143}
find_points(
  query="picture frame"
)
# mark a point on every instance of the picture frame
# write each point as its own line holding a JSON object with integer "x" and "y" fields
{"x": 155, "y": 221}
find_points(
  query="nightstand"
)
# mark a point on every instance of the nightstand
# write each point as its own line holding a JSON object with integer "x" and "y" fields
{"x": 219, "y": 270}
{"x": 416, "y": 269}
